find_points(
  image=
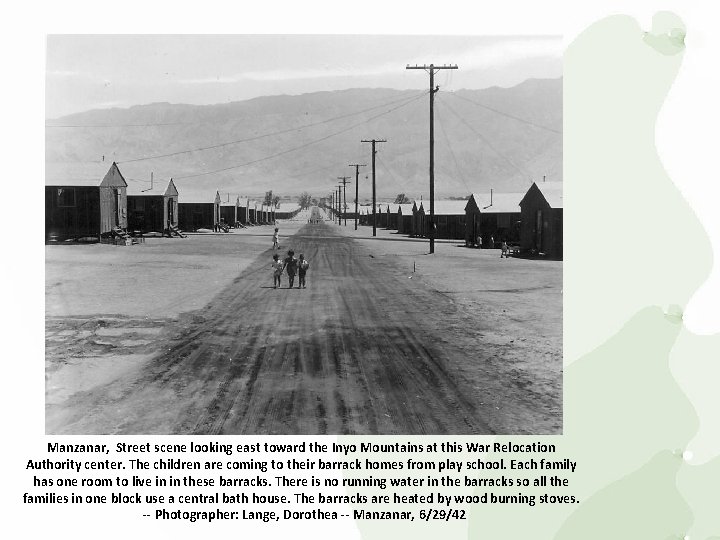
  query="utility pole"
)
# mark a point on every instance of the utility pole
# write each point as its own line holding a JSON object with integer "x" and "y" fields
{"x": 339, "y": 200}
{"x": 339, "y": 189}
{"x": 344, "y": 180}
{"x": 373, "y": 141}
{"x": 332, "y": 201}
{"x": 357, "y": 169}
{"x": 433, "y": 89}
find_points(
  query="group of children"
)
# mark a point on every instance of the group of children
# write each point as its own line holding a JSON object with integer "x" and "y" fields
{"x": 292, "y": 266}
{"x": 289, "y": 264}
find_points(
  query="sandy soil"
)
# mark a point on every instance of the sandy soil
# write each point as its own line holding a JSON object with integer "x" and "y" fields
{"x": 512, "y": 317}
{"x": 368, "y": 347}
{"x": 162, "y": 277}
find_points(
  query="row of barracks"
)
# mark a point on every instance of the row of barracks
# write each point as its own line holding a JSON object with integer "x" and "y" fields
{"x": 94, "y": 201}
{"x": 533, "y": 220}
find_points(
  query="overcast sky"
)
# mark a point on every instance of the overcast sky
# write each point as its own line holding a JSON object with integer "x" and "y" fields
{"x": 88, "y": 72}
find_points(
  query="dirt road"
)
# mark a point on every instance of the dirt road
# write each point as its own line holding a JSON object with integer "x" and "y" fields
{"x": 363, "y": 349}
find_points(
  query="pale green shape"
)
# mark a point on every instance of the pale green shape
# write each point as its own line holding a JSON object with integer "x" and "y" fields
{"x": 695, "y": 363}
{"x": 659, "y": 279}
{"x": 626, "y": 419}
{"x": 622, "y": 406}
{"x": 643, "y": 505}
{"x": 626, "y": 223}
{"x": 700, "y": 486}
{"x": 667, "y": 35}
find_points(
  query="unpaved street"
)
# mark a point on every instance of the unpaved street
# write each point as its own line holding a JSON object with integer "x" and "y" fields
{"x": 364, "y": 349}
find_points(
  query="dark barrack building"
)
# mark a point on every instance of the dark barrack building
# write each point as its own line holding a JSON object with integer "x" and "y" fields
{"x": 418, "y": 213}
{"x": 449, "y": 219}
{"x": 84, "y": 200}
{"x": 287, "y": 210}
{"x": 152, "y": 208}
{"x": 492, "y": 218}
{"x": 392, "y": 216}
{"x": 199, "y": 213}
{"x": 542, "y": 219}
{"x": 404, "y": 218}
{"x": 229, "y": 211}
{"x": 253, "y": 212}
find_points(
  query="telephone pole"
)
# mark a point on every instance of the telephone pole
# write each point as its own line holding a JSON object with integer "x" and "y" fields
{"x": 339, "y": 200}
{"x": 431, "y": 69}
{"x": 357, "y": 169}
{"x": 373, "y": 141}
{"x": 344, "y": 180}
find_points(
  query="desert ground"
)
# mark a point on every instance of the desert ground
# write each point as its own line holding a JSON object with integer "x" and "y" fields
{"x": 187, "y": 335}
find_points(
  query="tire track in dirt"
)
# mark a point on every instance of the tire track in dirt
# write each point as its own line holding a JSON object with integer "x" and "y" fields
{"x": 331, "y": 358}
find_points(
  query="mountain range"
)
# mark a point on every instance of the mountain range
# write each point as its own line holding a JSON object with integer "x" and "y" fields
{"x": 501, "y": 138}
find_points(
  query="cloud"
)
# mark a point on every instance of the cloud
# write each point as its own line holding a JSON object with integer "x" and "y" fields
{"x": 508, "y": 52}
{"x": 496, "y": 55}
{"x": 62, "y": 73}
{"x": 275, "y": 75}
{"x": 109, "y": 104}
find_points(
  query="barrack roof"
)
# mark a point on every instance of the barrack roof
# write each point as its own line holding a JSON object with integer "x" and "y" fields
{"x": 287, "y": 207}
{"x": 159, "y": 188}
{"x": 502, "y": 203}
{"x": 552, "y": 191}
{"x": 446, "y": 208}
{"x": 194, "y": 198}
{"x": 405, "y": 208}
{"x": 82, "y": 174}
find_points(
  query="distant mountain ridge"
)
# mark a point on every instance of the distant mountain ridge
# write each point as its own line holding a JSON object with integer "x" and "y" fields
{"x": 501, "y": 138}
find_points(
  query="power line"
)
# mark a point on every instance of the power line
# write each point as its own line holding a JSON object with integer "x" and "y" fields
{"x": 316, "y": 170}
{"x": 315, "y": 141}
{"x": 506, "y": 114}
{"x": 158, "y": 124}
{"x": 486, "y": 141}
{"x": 452, "y": 153}
{"x": 402, "y": 183}
{"x": 312, "y": 171}
{"x": 271, "y": 134}
{"x": 136, "y": 180}
{"x": 306, "y": 173}
{"x": 324, "y": 168}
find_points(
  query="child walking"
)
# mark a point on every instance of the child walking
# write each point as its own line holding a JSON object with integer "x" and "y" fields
{"x": 276, "y": 239}
{"x": 303, "y": 266}
{"x": 277, "y": 270}
{"x": 290, "y": 265}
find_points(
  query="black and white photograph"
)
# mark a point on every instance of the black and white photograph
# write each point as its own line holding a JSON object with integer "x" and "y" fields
{"x": 303, "y": 234}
